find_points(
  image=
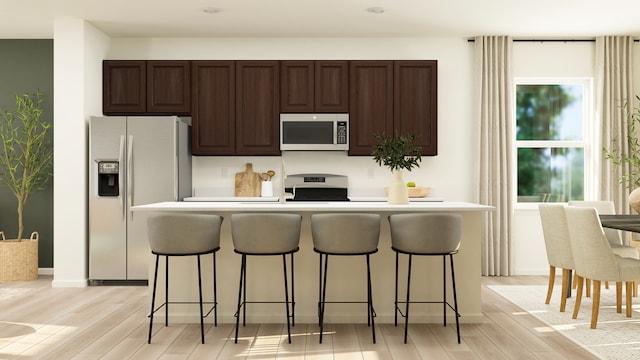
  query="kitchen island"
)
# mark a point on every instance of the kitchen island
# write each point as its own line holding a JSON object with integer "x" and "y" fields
{"x": 265, "y": 273}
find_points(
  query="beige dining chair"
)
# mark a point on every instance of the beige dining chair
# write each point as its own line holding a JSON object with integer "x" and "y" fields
{"x": 594, "y": 259}
{"x": 607, "y": 207}
{"x": 558, "y": 246}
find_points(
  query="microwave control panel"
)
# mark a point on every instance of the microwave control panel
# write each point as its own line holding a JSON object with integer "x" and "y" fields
{"x": 341, "y": 137}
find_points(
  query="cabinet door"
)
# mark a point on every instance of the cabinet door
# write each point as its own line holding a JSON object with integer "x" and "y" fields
{"x": 370, "y": 103}
{"x": 124, "y": 87}
{"x": 213, "y": 108}
{"x": 296, "y": 86}
{"x": 331, "y": 86}
{"x": 257, "y": 107}
{"x": 168, "y": 87}
{"x": 416, "y": 102}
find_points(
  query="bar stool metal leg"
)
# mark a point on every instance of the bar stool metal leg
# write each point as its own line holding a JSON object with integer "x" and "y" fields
{"x": 368, "y": 293}
{"x": 244, "y": 292}
{"x": 444, "y": 289}
{"x": 406, "y": 309}
{"x": 293, "y": 295}
{"x": 286, "y": 295}
{"x": 153, "y": 299}
{"x": 215, "y": 291}
{"x": 200, "y": 297}
{"x": 166, "y": 291}
{"x": 455, "y": 298}
{"x": 323, "y": 277}
{"x": 319, "y": 290}
{"x": 395, "y": 302}
{"x": 240, "y": 288}
{"x": 370, "y": 301}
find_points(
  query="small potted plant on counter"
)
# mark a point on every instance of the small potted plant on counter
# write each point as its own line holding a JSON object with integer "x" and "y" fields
{"x": 26, "y": 163}
{"x": 397, "y": 152}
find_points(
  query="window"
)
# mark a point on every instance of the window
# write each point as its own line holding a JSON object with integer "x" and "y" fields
{"x": 551, "y": 139}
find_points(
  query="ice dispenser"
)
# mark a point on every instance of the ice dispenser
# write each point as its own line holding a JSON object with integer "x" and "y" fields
{"x": 108, "y": 174}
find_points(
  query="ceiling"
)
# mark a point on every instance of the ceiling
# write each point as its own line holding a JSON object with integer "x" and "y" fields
{"x": 563, "y": 19}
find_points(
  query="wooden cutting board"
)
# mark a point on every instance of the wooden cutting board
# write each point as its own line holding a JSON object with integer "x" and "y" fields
{"x": 248, "y": 183}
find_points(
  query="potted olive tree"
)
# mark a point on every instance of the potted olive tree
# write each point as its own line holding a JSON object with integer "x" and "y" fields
{"x": 397, "y": 152}
{"x": 26, "y": 163}
{"x": 631, "y": 159}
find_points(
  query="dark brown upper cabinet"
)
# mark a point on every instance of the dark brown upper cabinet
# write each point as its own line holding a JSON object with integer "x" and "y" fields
{"x": 393, "y": 97}
{"x": 257, "y": 107}
{"x": 138, "y": 87}
{"x": 124, "y": 87}
{"x": 415, "y": 102}
{"x": 314, "y": 86}
{"x": 168, "y": 87}
{"x": 297, "y": 87}
{"x": 213, "y": 107}
{"x": 370, "y": 103}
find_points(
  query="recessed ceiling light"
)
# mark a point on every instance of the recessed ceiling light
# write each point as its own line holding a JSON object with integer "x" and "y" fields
{"x": 376, "y": 10}
{"x": 211, "y": 10}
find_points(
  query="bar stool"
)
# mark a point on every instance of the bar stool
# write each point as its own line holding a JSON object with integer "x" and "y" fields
{"x": 426, "y": 235}
{"x": 265, "y": 234}
{"x": 183, "y": 235}
{"x": 344, "y": 235}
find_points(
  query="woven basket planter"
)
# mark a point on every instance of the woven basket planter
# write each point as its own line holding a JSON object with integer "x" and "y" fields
{"x": 19, "y": 259}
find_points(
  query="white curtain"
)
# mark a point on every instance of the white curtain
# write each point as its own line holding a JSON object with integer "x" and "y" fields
{"x": 614, "y": 87}
{"x": 495, "y": 91}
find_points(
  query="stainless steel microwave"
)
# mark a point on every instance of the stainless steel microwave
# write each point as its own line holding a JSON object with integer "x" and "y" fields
{"x": 314, "y": 132}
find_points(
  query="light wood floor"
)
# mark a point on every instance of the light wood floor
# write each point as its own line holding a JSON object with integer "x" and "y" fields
{"x": 40, "y": 322}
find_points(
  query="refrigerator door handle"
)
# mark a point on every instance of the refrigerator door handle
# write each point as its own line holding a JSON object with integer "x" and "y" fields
{"x": 130, "y": 175}
{"x": 120, "y": 182}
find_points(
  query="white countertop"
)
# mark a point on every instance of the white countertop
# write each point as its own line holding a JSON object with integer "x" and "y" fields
{"x": 277, "y": 199}
{"x": 233, "y": 199}
{"x": 313, "y": 206}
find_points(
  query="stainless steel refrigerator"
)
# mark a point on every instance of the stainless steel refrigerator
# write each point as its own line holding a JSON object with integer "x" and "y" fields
{"x": 132, "y": 161}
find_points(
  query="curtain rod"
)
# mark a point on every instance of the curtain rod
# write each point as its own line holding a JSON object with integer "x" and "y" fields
{"x": 552, "y": 40}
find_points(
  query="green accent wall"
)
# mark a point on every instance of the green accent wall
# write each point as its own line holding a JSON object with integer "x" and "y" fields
{"x": 27, "y": 65}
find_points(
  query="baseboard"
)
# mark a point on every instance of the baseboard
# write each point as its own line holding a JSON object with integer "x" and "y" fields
{"x": 69, "y": 283}
{"x": 45, "y": 271}
{"x": 532, "y": 271}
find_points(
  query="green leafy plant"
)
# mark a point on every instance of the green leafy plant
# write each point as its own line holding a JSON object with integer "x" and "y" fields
{"x": 397, "y": 152}
{"x": 26, "y": 153}
{"x": 632, "y": 158}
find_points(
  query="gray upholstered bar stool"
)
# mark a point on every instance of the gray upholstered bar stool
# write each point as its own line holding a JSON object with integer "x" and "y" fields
{"x": 426, "y": 235}
{"x": 344, "y": 234}
{"x": 183, "y": 235}
{"x": 265, "y": 234}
